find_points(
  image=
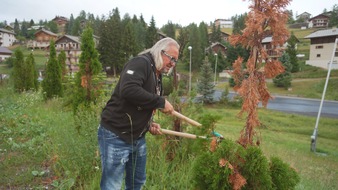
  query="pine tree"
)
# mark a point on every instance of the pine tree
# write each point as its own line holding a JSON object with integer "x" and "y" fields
{"x": 151, "y": 35}
{"x": 53, "y": 27}
{"x": 205, "y": 86}
{"x": 333, "y": 20}
{"x": 16, "y": 27}
{"x": 197, "y": 49}
{"x": 291, "y": 20}
{"x": 36, "y": 75}
{"x": 76, "y": 27}
{"x": 89, "y": 67}
{"x": 128, "y": 42}
{"x": 52, "y": 83}
{"x": 18, "y": 71}
{"x": 140, "y": 29}
{"x": 215, "y": 35}
{"x": 105, "y": 44}
{"x": 24, "y": 72}
{"x": 233, "y": 52}
{"x": 24, "y": 29}
{"x": 30, "y": 73}
{"x": 203, "y": 30}
{"x": 183, "y": 39}
{"x": 284, "y": 79}
{"x": 69, "y": 25}
{"x": 31, "y": 23}
{"x": 239, "y": 23}
{"x": 96, "y": 25}
{"x": 125, "y": 20}
{"x": 292, "y": 52}
{"x": 111, "y": 54}
{"x": 169, "y": 30}
{"x": 62, "y": 61}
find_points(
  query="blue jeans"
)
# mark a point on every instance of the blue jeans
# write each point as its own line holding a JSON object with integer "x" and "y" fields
{"x": 119, "y": 158}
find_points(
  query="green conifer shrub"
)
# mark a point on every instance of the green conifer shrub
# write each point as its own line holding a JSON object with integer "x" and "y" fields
{"x": 255, "y": 169}
{"x": 86, "y": 88}
{"x": 167, "y": 83}
{"x": 205, "y": 86}
{"x": 283, "y": 176}
{"x": 18, "y": 71}
{"x": 231, "y": 166}
{"x": 30, "y": 74}
{"x": 52, "y": 83}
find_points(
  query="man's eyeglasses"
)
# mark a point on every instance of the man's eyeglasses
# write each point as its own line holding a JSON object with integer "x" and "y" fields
{"x": 172, "y": 59}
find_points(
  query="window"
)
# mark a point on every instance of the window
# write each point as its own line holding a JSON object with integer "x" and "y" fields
{"x": 318, "y": 55}
{"x": 319, "y": 47}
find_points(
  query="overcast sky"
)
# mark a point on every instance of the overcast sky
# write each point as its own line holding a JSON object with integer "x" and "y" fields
{"x": 181, "y": 12}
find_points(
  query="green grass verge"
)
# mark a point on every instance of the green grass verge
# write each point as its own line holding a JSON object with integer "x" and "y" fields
{"x": 44, "y": 145}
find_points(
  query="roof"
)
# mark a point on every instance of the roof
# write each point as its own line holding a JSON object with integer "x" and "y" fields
{"x": 220, "y": 19}
{"x": 6, "y": 31}
{"x": 224, "y": 33}
{"x": 319, "y": 16}
{"x": 46, "y": 31}
{"x": 323, "y": 33}
{"x": 4, "y": 50}
{"x": 304, "y": 13}
{"x": 73, "y": 38}
{"x": 217, "y": 43}
{"x": 60, "y": 18}
{"x": 267, "y": 39}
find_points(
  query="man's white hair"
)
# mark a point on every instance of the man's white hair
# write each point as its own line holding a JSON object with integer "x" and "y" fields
{"x": 163, "y": 44}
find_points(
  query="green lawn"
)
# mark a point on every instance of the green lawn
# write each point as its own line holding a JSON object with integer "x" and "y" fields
{"x": 40, "y": 57}
{"x": 4, "y": 69}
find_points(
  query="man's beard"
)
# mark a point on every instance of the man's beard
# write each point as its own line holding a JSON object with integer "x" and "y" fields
{"x": 167, "y": 72}
{"x": 170, "y": 71}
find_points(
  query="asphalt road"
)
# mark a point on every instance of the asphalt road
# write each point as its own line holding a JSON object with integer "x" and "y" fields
{"x": 296, "y": 105}
{"x": 304, "y": 106}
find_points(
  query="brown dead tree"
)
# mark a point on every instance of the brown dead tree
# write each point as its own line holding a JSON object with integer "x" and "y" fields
{"x": 266, "y": 18}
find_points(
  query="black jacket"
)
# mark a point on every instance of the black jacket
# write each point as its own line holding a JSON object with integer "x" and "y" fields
{"x": 129, "y": 110}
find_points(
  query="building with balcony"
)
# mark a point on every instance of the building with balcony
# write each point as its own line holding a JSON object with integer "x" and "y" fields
{"x": 61, "y": 23}
{"x": 224, "y": 23}
{"x": 319, "y": 21}
{"x": 7, "y": 37}
{"x": 42, "y": 39}
{"x": 71, "y": 45}
{"x": 4, "y": 53}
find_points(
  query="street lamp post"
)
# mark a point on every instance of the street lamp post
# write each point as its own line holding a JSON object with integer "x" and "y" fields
{"x": 315, "y": 131}
{"x": 215, "y": 69}
{"x": 190, "y": 70}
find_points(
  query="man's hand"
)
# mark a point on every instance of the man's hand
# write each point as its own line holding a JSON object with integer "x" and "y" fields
{"x": 168, "y": 108}
{"x": 155, "y": 129}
